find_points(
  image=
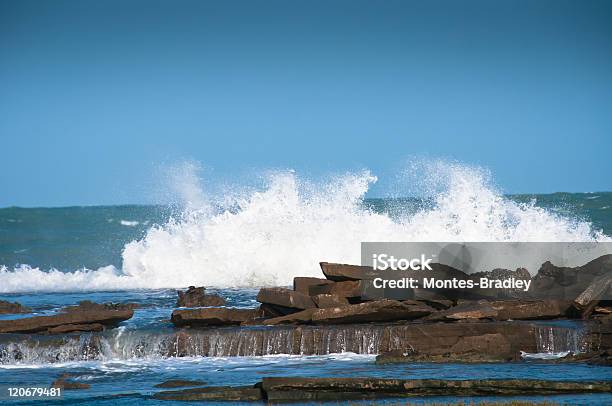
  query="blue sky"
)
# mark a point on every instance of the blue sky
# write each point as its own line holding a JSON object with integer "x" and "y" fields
{"x": 96, "y": 95}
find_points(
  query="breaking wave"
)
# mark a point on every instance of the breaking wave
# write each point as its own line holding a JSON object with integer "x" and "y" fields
{"x": 268, "y": 236}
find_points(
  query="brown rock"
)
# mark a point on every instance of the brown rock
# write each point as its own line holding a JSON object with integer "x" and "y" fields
{"x": 66, "y": 384}
{"x": 529, "y": 309}
{"x": 179, "y": 383}
{"x": 286, "y": 298}
{"x": 213, "y": 393}
{"x": 568, "y": 283}
{"x": 42, "y": 323}
{"x": 325, "y": 300}
{"x": 303, "y": 284}
{"x": 488, "y": 346}
{"x": 212, "y": 316}
{"x": 12, "y": 308}
{"x": 88, "y": 305}
{"x": 318, "y": 389}
{"x": 382, "y": 310}
{"x": 586, "y": 302}
{"x": 347, "y": 289}
{"x": 345, "y": 272}
{"x": 72, "y": 328}
{"x": 302, "y": 317}
{"x": 196, "y": 297}
{"x": 466, "y": 310}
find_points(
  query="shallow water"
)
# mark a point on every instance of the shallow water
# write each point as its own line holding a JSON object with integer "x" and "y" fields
{"x": 138, "y": 373}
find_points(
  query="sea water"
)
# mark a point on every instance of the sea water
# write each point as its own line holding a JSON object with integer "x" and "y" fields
{"x": 238, "y": 242}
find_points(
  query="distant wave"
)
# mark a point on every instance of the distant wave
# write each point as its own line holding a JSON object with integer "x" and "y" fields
{"x": 129, "y": 223}
{"x": 284, "y": 230}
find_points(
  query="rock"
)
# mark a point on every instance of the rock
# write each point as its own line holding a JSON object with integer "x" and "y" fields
{"x": 285, "y": 298}
{"x": 88, "y": 305}
{"x": 303, "y": 284}
{"x": 13, "y": 308}
{"x": 487, "y": 346}
{"x": 602, "y": 310}
{"x": 345, "y": 272}
{"x": 378, "y": 311}
{"x": 326, "y": 300}
{"x": 107, "y": 318}
{"x": 305, "y": 316}
{"x": 212, "y": 316}
{"x": 179, "y": 383}
{"x": 502, "y": 274}
{"x": 529, "y": 309}
{"x": 212, "y": 393}
{"x": 72, "y": 328}
{"x": 438, "y": 304}
{"x": 347, "y": 289}
{"x": 568, "y": 283}
{"x": 586, "y": 302}
{"x": 467, "y": 310}
{"x": 493, "y": 347}
{"x": 66, "y": 384}
{"x": 279, "y": 389}
{"x": 196, "y": 297}
{"x": 268, "y": 310}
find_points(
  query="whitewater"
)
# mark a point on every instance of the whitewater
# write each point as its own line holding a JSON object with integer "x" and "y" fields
{"x": 267, "y": 236}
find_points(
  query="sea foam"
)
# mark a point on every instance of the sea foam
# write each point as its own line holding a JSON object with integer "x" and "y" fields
{"x": 267, "y": 237}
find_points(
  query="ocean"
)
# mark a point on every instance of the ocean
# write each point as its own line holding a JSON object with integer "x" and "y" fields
{"x": 53, "y": 257}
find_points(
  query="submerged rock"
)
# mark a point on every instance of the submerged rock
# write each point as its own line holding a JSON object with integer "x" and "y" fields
{"x": 88, "y": 305}
{"x": 213, "y": 393}
{"x": 13, "y": 308}
{"x": 196, "y": 297}
{"x": 212, "y": 316}
{"x": 68, "y": 384}
{"x": 179, "y": 383}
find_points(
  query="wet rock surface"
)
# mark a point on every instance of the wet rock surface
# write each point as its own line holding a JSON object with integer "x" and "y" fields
{"x": 212, "y": 316}
{"x": 313, "y": 389}
{"x": 285, "y": 299}
{"x": 91, "y": 316}
{"x": 179, "y": 383}
{"x": 213, "y": 393}
{"x": 13, "y": 308}
{"x": 197, "y": 297}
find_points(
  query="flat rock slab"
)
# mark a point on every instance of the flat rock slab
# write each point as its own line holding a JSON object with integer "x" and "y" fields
{"x": 302, "y": 317}
{"x": 378, "y": 311}
{"x": 179, "y": 383}
{"x": 503, "y": 310}
{"x": 307, "y": 389}
{"x": 43, "y": 323}
{"x": 302, "y": 284}
{"x": 213, "y": 393}
{"x": 212, "y": 316}
{"x": 286, "y": 298}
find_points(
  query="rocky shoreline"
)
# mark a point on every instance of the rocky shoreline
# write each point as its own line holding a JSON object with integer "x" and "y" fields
{"x": 339, "y": 314}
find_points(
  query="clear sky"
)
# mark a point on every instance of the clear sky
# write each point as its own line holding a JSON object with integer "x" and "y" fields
{"x": 94, "y": 95}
